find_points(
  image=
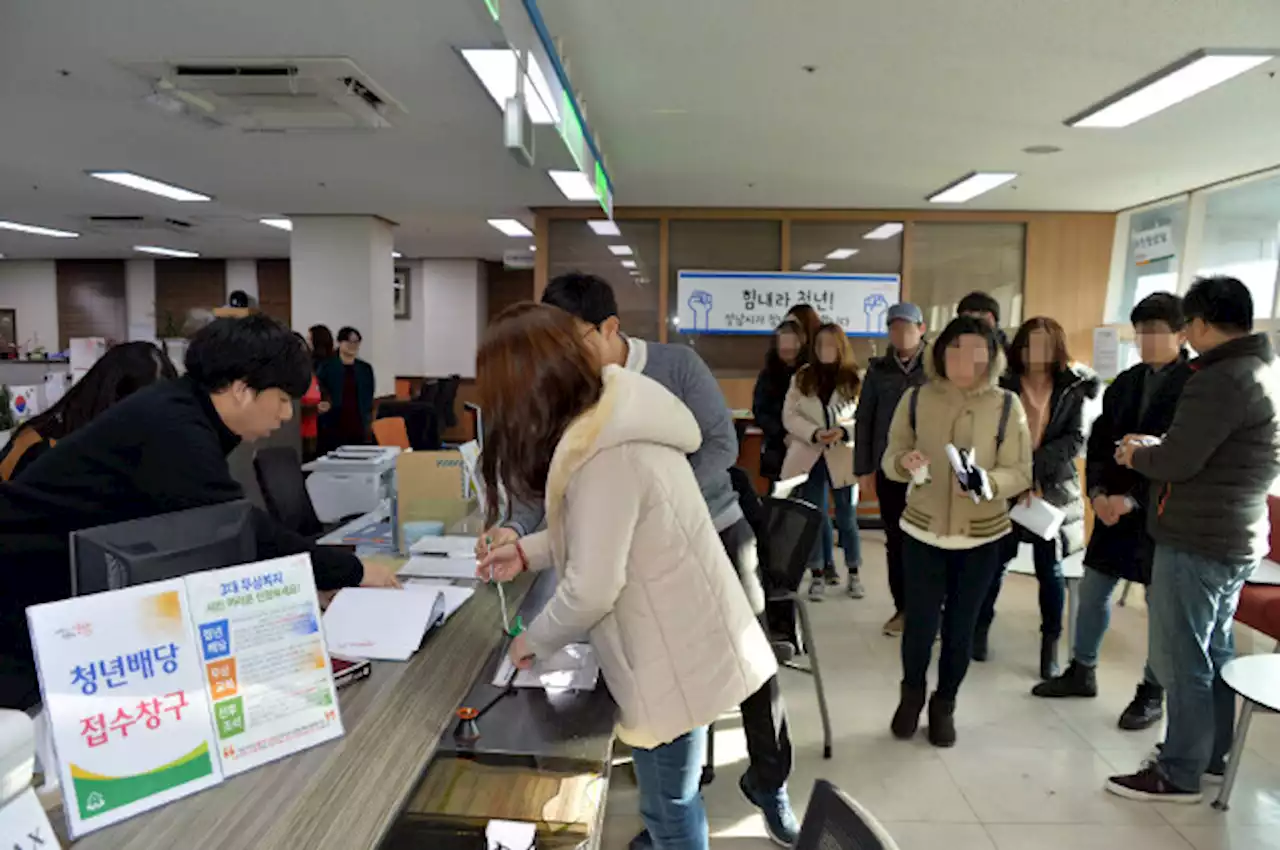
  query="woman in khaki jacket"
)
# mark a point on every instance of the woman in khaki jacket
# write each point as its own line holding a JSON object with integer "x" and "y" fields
{"x": 952, "y": 551}
{"x": 642, "y": 571}
{"x": 818, "y": 414}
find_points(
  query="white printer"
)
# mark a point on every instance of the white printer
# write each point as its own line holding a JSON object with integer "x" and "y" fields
{"x": 351, "y": 480}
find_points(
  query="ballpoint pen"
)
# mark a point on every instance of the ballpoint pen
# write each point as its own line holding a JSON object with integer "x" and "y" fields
{"x": 502, "y": 597}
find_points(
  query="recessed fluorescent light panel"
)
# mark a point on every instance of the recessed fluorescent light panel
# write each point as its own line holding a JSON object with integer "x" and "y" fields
{"x": 604, "y": 227}
{"x": 842, "y": 253}
{"x": 885, "y": 231}
{"x": 813, "y": 267}
{"x": 533, "y": 249}
{"x": 395, "y": 255}
{"x": 621, "y": 250}
{"x": 971, "y": 186}
{"x": 510, "y": 227}
{"x": 164, "y": 252}
{"x": 628, "y": 264}
{"x": 36, "y": 230}
{"x": 574, "y": 185}
{"x": 146, "y": 184}
{"x": 277, "y": 223}
{"x": 496, "y": 70}
{"x": 1184, "y": 79}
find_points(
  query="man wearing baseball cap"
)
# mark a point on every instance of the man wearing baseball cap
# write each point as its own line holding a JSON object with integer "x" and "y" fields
{"x": 887, "y": 378}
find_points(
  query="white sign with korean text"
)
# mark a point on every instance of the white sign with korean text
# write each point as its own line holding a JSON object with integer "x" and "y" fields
{"x": 23, "y": 824}
{"x": 1153, "y": 244}
{"x": 264, "y": 660}
{"x": 710, "y": 302}
{"x": 124, "y": 691}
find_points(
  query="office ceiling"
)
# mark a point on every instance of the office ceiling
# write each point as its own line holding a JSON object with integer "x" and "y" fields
{"x": 701, "y": 104}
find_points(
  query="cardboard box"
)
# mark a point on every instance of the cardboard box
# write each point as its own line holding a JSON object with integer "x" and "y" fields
{"x": 433, "y": 486}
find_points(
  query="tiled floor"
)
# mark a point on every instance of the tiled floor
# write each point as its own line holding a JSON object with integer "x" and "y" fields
{"x": 1027, "y": 774}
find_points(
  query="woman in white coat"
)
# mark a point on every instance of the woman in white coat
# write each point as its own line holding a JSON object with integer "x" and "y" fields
{"x": 641, "y": 569}
{"x": 818, "y": 415}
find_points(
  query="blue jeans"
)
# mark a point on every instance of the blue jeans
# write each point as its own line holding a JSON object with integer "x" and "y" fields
{"x": 1094, "y": 616}
{"x": 814, "y": 491}
{"x": 1192, "y": 604}
{"x": 670, "y": 797}
{"x": 1053, "y": 589}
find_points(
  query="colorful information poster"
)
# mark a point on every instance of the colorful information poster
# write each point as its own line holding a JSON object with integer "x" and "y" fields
{"x": 263, "y": 661}
{"x": 756, "y": 302}
{"x": 124, "y": 689}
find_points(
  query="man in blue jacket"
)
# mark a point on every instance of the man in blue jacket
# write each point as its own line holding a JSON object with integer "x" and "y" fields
{"x": 1214, "y": 468}
{"x": 592, "y": 303}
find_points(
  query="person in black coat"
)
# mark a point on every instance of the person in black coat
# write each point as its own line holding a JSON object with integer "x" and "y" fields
{"x": 1053, "y": 391}
{"x": 162, "y": 449}
{"x": 787, "y": 354}
{"x": 1141, "y": 400}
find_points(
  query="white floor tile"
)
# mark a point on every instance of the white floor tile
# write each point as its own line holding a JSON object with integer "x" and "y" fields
{"x": 1224, "y": 836}
{"x": 1091, "y": 836}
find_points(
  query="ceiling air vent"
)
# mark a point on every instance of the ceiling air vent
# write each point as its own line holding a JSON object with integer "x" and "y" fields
{"x": 135, "y": 223}
{"x": 272, "y": 95}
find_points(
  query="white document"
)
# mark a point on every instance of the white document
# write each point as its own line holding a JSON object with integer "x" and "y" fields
{"x": 572, "y": 668}
{"x": 437, "y": 566}
{"x": 451, "y": 545}
{"x": 1040, "y": 518}
{"x": 379, "y": 623}
{"x": 454, "y": 595}
{"x": 23, "y": 821}
{"x": 510, "y": 835}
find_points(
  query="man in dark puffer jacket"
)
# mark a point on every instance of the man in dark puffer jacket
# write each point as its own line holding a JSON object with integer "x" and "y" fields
{"x": 1215, "y": 466}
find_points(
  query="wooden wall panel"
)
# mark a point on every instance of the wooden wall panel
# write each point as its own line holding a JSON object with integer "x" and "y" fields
{"x": 186, "y": 286}
{"x": 91, "y": 300}
{"x": 1068, "y": 260}
{"x": 275, "y": 290}
{"x": 506, "y": 287}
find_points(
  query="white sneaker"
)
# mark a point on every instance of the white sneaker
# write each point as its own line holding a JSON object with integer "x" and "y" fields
{"x": 855, "y": 588}
{"x": 817, "y": 589}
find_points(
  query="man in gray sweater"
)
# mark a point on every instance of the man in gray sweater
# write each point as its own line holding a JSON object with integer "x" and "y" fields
{"x": 1211, "y": 472}
{"x": 592, "y": 303}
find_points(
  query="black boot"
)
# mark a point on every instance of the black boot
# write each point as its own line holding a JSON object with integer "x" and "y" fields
{"x": 1146, "y": 710}
{"x": 980, "y": 634}
{"x": 1048, "y": 657}
{"x": 906, "y": 720}
{"x": 942, "y": 723}
{"x": 1078, "y": 681}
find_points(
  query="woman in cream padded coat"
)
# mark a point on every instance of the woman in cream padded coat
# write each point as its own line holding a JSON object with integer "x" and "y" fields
{"x": 641, "y": 569}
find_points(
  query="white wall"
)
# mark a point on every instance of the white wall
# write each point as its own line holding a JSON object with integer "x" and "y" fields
{"x": 31, "y": 288}
{"x": 453, "y": 297}
{"x": 140, "y": 299}
{"x": 243, "y": 275}
{"x": 410, "y": 351}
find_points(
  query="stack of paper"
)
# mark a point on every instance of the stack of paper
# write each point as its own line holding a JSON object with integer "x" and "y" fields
{"x": 380, "y": 623}
{"x": 439, "y": 566}
{"x": 454, "y": 595}
{"x": 452, "y": 545}
{"x": 1039, "y": 517}
{"x": 572, "y": 668}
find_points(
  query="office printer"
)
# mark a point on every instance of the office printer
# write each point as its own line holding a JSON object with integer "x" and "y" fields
{"x": 352, "y": 480}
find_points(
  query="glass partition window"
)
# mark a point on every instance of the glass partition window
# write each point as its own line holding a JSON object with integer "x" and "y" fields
{"x": 1156, "y": 240}
{"x": 629, "y": 262}
{"x": 1241, "y": 232}
{"x": 951, "y": 260}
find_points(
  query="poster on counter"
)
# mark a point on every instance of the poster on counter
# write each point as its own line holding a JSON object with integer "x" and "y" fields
{"x": 711, "y": 302}
{"x": 125, "y": 696}
{"x": 264, "y": 661}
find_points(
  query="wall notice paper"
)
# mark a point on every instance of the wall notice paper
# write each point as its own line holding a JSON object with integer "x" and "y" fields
{"x": 450, "y": 545}
{"x": 1106, "y": 353}
{"x": 265, "y": 663}
{"x": 125, "y": 692}
{"x": 1040, "y": 518}
{"x": 380, "y": 623}
{"x": 573, "y": 668}
{"x": 23, "y": 824}
{"x": 756, "y": 302}
{"x": 454, "y": 595}
{"x": 440, "y": 566}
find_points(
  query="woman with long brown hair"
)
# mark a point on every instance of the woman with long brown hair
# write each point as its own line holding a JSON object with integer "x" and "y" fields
{"x": 819, "y": 417}
{"x": 642, "y": 571}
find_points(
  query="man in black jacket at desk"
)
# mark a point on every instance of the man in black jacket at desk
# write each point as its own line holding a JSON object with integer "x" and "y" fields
{"x": 161, "y": 450}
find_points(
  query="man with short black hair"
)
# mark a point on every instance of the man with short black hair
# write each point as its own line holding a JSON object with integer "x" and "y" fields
{"x": 1215, "y": 466}
{"x": 1142, "y": 399}
{"x": 591, "y": 301}
{"x": 163, "y": 449}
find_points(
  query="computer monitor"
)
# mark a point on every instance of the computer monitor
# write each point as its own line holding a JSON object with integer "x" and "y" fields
{"x": 167, "y": 546}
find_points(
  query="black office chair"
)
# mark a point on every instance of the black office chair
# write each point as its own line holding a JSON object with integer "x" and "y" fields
{"x": 446, "y": 399}
{"x": 284, "y": 491}
{"x": 420, "y": 422}
{"x": 835, "y": 821}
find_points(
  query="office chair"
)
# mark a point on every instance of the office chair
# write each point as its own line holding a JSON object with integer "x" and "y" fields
{"x": 420, "y": 422}
{"x": 391, "y": 431}
{"x": 284, "y": 490}
{"x": 445, "y": 401}
{"x": 835, "y": 821}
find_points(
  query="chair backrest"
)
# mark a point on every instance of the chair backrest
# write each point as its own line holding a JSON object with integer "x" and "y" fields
{"x": 284, "y": 490}
{"x": 789, "y": 529}
{"x": 834, "y": 821}
{"x": 748, "y": 498}
{"x": 391, "y": 431}
{"x": 419, "y": 421}
{"x": 448, "y": 396}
